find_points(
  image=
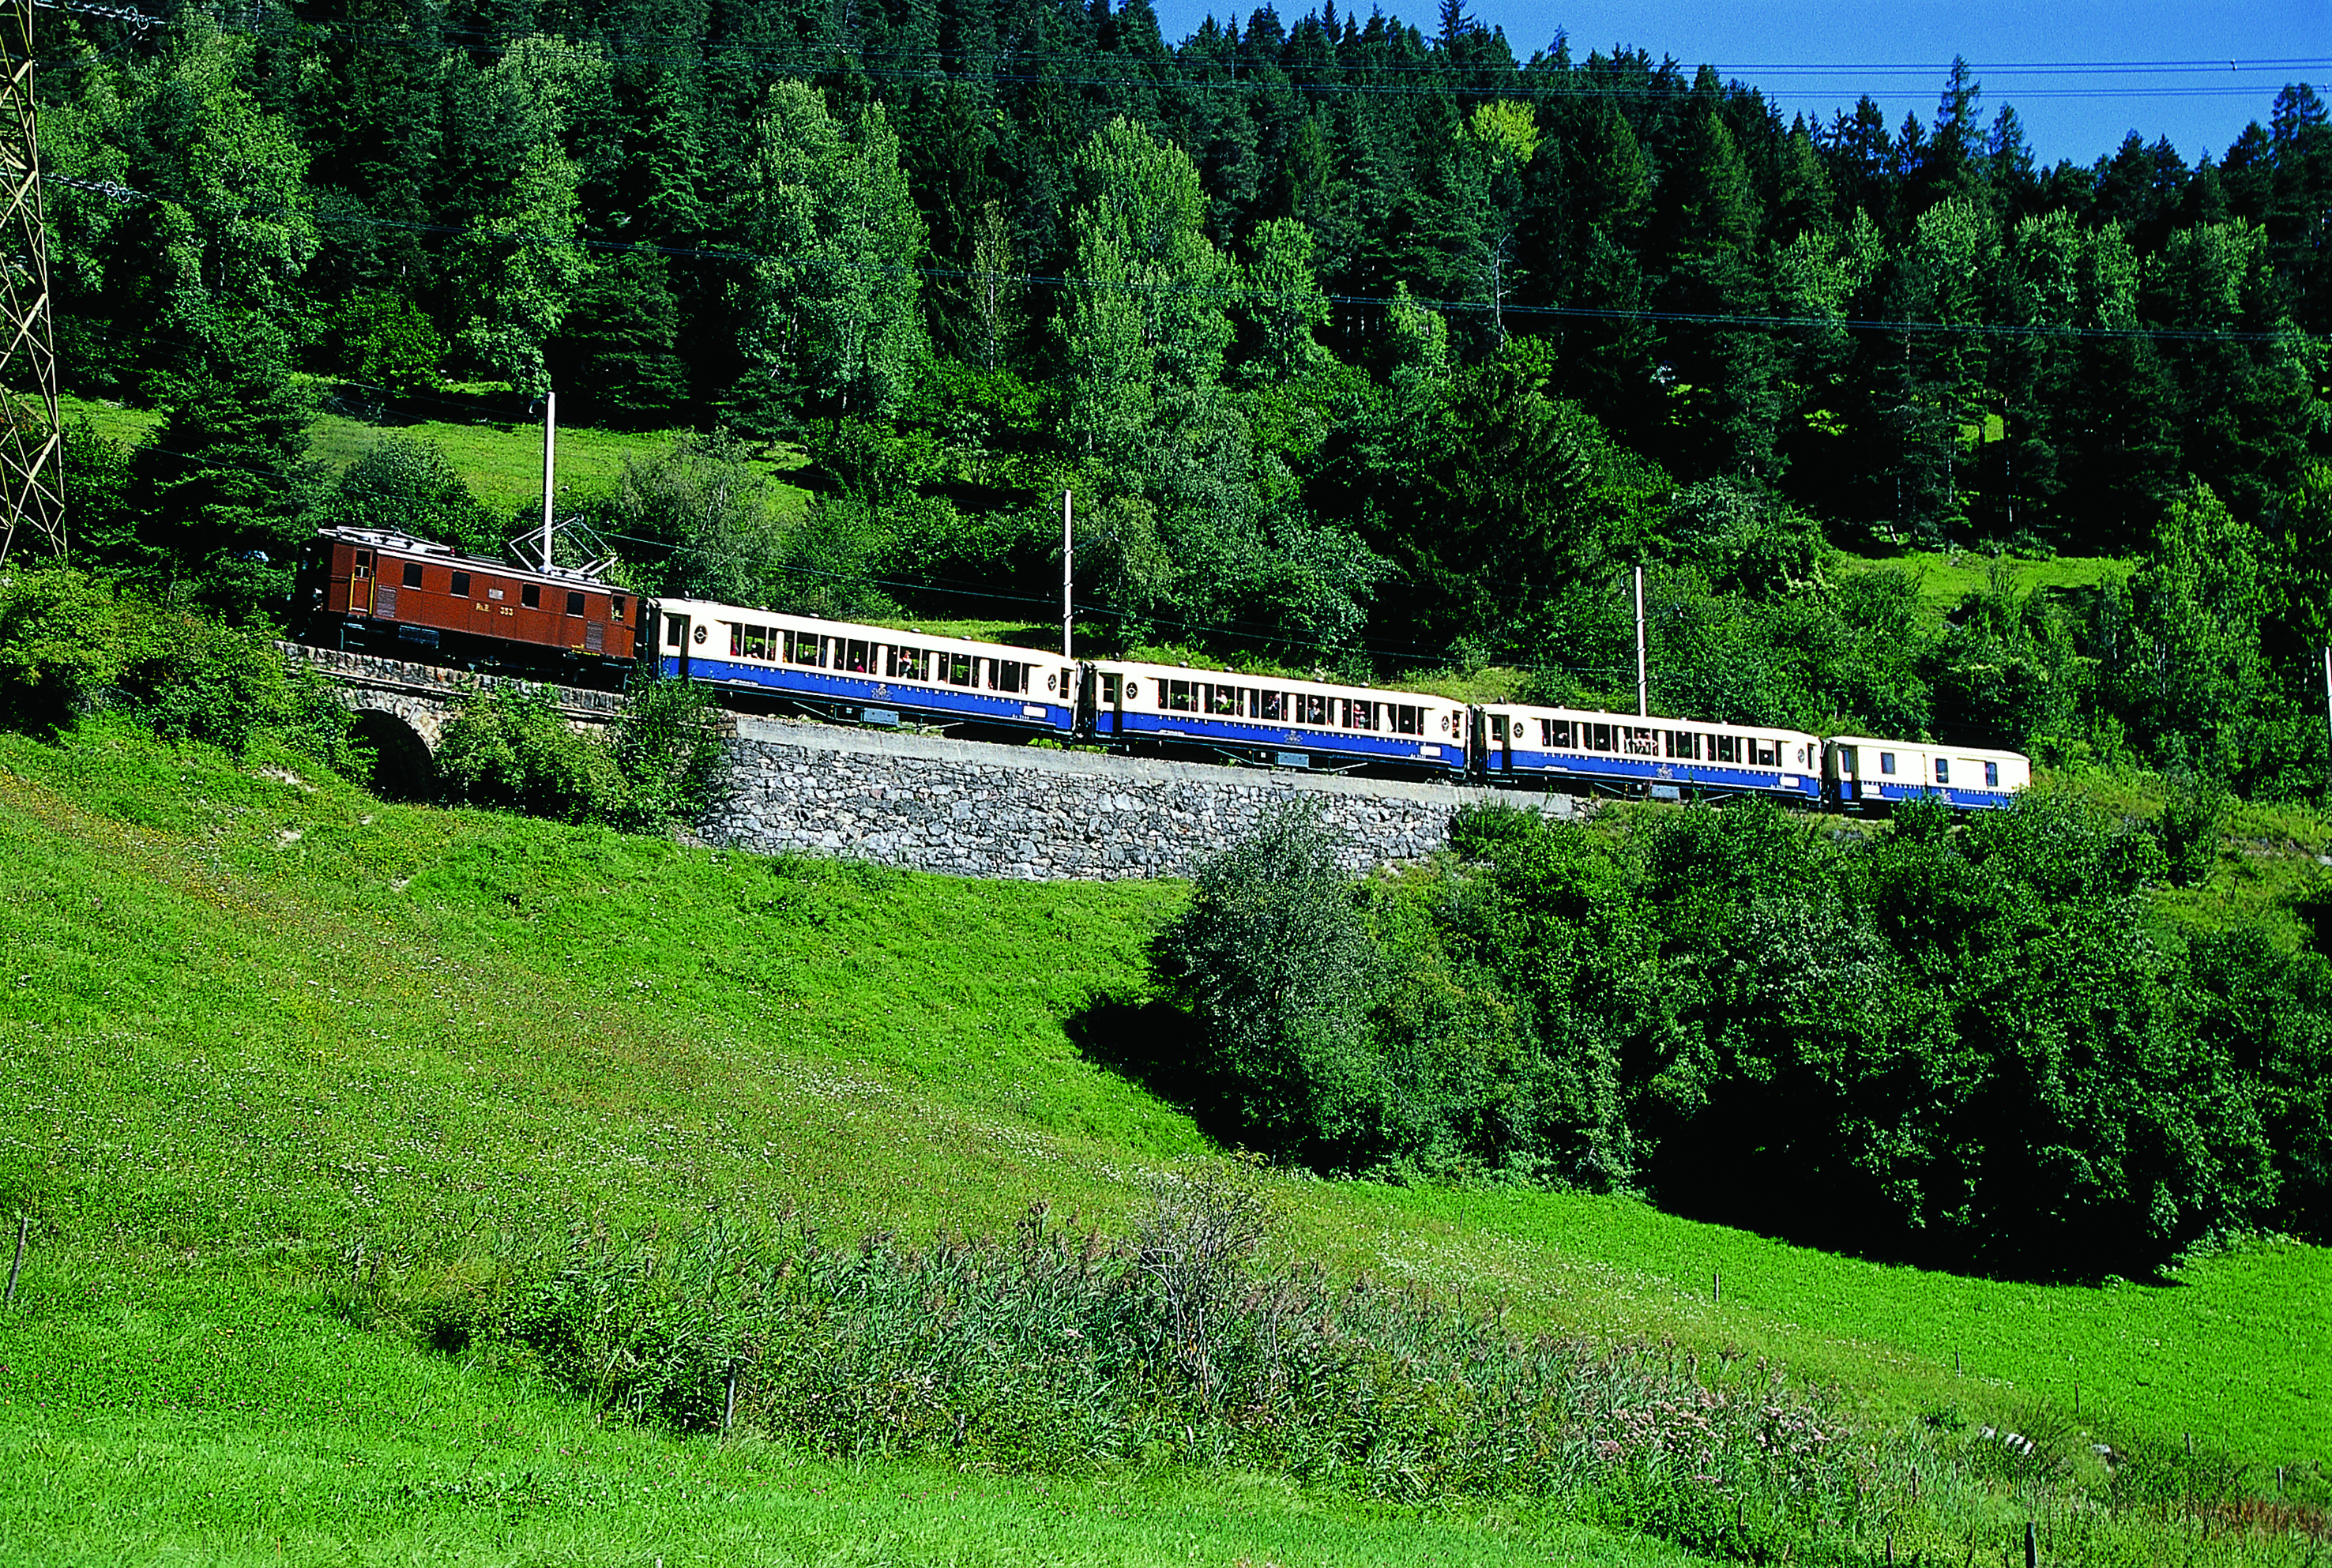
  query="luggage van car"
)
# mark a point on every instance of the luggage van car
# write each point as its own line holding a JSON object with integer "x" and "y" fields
{"x": 1862, "y": 772}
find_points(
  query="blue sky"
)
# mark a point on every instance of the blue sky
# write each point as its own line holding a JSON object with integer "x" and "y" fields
{"x": 2078, "y": 115}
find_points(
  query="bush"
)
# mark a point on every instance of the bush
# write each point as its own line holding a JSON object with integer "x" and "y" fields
{"x": 2193, "y": 822}
{"x": 1893, "y": 1046}
{"x": 60, "y": 646}
{"x": 1274, "y": 961}
{"x": 670, "y": 749}
{"x": 67, "y": 644}
{"x": 509, "y": 748}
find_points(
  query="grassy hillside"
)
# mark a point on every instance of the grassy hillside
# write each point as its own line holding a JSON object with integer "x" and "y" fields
{"x": 502, "y": 461}
{"x": 1947, "y": 577}
{"x": 263, "y": 1033}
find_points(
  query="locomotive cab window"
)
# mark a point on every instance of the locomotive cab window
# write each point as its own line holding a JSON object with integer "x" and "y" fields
{"x": 574, "y": 604}
{"x": 412, "y": 574}
{"x": 364, "y": 563}
{"x": 460, "y": 589}
{"x": 531, "y": 596}
{"x": 614, "y": 603}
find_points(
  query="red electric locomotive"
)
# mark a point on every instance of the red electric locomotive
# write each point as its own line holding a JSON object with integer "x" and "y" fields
{"x": 368, "y": 587}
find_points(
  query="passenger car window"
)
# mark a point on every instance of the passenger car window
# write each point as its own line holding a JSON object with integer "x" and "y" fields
{"x": 1887, "y": 761}
{"x": 1992, "y": 775}
{"x": 1943, "y": 770}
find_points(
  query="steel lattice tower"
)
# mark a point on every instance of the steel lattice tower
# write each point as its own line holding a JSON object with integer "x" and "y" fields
{"x": 32, "y": 456}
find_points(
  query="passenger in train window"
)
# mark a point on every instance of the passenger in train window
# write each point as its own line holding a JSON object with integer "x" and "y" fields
{"x": 757, "y": 642}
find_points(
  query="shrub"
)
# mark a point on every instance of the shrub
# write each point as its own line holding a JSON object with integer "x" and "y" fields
{"x": 60, "y": 646}
{"x": 1273, "y": 960}
{"x": 1890, "y": 1046}
{"x": 670, "y": 750}
{"x": 2193, "y": 822}
{"x": 509, "y": 748}
{"x": 68, "y": 643}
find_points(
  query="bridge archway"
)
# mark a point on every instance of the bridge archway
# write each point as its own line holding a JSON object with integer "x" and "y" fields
{"x": 402, "y": 767}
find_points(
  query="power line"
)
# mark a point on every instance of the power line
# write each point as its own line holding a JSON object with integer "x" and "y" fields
{"x": 1233, "y": 293}
{"x": 1037, "y": 68}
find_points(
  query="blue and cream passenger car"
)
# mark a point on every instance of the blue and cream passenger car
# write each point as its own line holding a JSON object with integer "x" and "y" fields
{"x": 1863, "y": 772}
{"x": 1274, "y": 719}
{"x": 1580, "y": 749}
{"x": 874, "y": 674}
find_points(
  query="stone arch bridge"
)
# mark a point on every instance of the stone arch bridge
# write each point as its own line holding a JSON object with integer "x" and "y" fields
{"x": 402, "y": 707}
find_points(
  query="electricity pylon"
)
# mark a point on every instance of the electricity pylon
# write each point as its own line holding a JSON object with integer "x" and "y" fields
{"x": 32, "y": 454}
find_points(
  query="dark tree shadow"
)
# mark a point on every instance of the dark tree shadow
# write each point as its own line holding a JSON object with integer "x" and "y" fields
{"x": 1149, "y": 1044}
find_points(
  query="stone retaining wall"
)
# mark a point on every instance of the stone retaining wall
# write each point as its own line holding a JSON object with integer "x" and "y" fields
{"x": 975, "y": 810}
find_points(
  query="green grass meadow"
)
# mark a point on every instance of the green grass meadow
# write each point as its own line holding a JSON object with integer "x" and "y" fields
{"x": 502, "y": 461}
{"x": 264, "y": 1038}
{"x": 1946, "y": 577}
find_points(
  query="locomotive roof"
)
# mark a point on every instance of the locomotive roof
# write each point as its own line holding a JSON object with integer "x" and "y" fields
{"x": 390, "y": 538}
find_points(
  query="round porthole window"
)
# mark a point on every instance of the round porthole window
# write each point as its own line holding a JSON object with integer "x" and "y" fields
{"x": 1132, "y": 691}
{"x": 1049, "y": 681}
{"x": 700, "y": 634}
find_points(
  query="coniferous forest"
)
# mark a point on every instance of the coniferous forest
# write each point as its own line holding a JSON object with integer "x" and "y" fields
{"x": 1363, "y": 346}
